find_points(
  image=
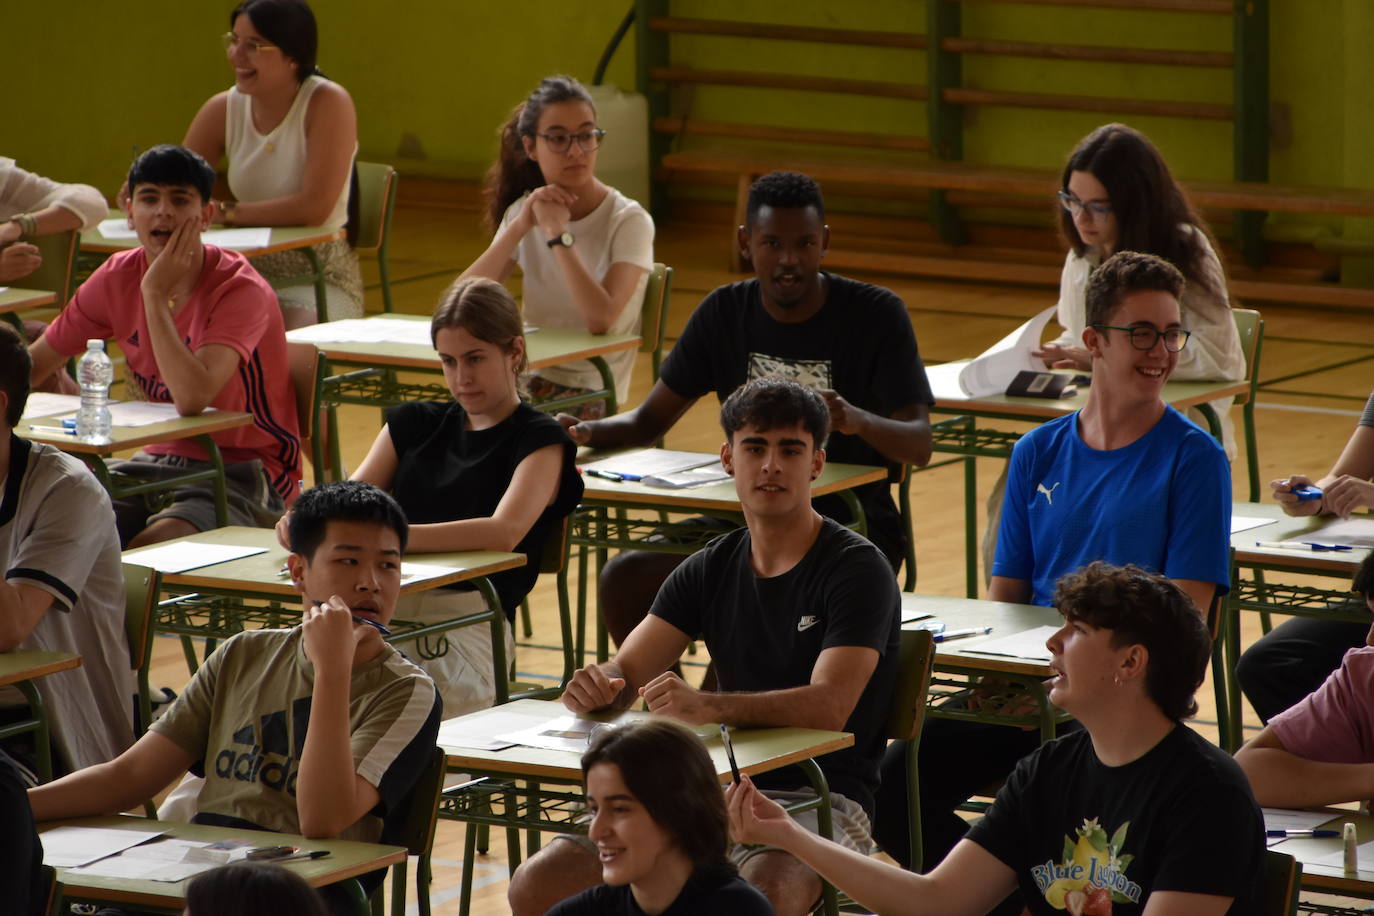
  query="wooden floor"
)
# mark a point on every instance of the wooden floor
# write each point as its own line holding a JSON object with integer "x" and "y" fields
{"x": 1318, "y": 368}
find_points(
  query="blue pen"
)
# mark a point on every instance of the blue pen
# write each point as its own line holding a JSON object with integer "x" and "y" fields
{"x": 1303, "y": 545}
{"x": 605, "y": 475}
{"x": 947, "y": 635}
{"x": 1316, "y": 546}
{"x": 1318, "y": 834}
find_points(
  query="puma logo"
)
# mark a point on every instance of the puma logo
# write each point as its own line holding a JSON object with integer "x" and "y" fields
{"x": 807, "y": 622}
{"x": 1049, "y": 494}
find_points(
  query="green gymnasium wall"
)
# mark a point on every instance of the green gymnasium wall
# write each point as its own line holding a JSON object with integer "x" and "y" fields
{"x": 89, "y": 80}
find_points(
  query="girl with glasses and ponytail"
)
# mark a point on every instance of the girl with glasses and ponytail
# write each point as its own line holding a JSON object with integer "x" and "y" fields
{"x": 584, "y": 249}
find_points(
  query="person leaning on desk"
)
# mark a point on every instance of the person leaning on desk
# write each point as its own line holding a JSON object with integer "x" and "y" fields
{"x": 1321, "y": 751}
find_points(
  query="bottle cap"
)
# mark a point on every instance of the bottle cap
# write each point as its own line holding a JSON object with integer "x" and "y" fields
{"x": 95, "y": 343}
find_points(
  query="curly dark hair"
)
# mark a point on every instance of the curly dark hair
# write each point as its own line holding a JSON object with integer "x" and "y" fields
{"x": 772, "y": 401}
{"x": 1128, "y": 272}
{"x": 784, "y": 190}
{"x": 344, "y": 501}
{"x": 1144, "y": 608}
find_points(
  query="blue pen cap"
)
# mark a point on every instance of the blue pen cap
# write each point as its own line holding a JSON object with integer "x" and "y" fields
{"x": 69, "y": 424}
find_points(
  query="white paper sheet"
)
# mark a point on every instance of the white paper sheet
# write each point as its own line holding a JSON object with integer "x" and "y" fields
{"x": 412, "y": 571}
{"x": 239, "y": 237}
{"x": 1364, "y": 855}
{"x": 646, "y": 462}
{"x": 1026, "y": 644}
{"x": 175, "y": 558}
{"x": 992, "y": 371}
{"x": 1355, "y": 532}
{"x": 167, "y": 860}
{"x": 481, "y": 732}
{"x": 1293, "y": 819}
{"x": 1246, "y": 522}
{"x": 45, "y": 404}
{"x": 693, "y": 477}
{"x": 364, "y": 330}
{"x": 67, "y": 847}
{"x": 4, "y": 289}
{"x": 132, "y": 414}
{"x": 117, "y": 228}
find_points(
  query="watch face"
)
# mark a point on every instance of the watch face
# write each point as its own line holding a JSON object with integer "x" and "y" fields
{"x": 566, "y": 239}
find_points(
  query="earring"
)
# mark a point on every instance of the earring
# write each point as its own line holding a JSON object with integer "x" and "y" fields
{"x": 1116, "y": 679}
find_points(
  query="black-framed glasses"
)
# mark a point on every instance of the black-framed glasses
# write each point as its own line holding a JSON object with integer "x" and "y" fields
{"x": 1098, "y": 212}
{"x": 588, "y": 140}
{"x": 251, "y": 45}
{"x": 1143, "y": 338}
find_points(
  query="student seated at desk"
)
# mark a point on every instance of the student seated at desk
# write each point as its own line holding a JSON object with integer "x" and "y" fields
{"x": 484, "y": 472}
{"x": 800, "y": 615}
{"x": 1126, "y": 479}
{"x": 1117, "y": 195}
{"x": 30, "y": 206}
{"x": 198, "y": 328}
{"x": 63, "y": 587}
{"x": 584, "y": 249}
{"x": 1292, "y": 660}
{"x": 1321, "y": 751}
{"x": 1133, "y": 814}
{"x": 658, "y": 819}
{"x": 851, "y": 341}
{"x": 331, "y": 725}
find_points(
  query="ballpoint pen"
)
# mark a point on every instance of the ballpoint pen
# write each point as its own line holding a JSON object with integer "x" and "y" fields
{"x": 60, "y": 430}
{"x": 1302, "y": 833}
{"x": 960, "y": 634}
{"x": 1301, "y": 545}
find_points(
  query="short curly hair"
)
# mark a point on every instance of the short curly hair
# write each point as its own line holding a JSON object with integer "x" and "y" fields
{"x": 1128, "y": 272}
{"x": 1144, "y": 608}
{"x": 772, "y": 401}
{"x": 786, "y": 191}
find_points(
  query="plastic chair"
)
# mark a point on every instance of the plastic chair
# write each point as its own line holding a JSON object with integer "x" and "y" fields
{"x": 1250, "y": 327}
{"x": 905, "y": 719}
{"x": 416, "y": 834}
{"x": 141, "y": 589}
{"x": 654, "y": 313}
{"x": 54, "y": 902}
{"x": 58, "y": 272}
{"x": 376, "y": 202}
{"x": 305, "y": 365}
{"x": 553, "y": 560}
{"x": 1279, "y": 884}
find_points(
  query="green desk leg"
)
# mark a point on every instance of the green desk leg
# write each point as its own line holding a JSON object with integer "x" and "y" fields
{"x": 856, "y": 512}
{"x": 356, "y": 898}
{"x": 42, "y": 740}
{"x": 607, "y": 382}
{"x": 970, "y": 527}
{"x": 498, "y": 639}
{"x": 221, "y": 497}
{"x": 1213, "y": 421}
{"x": 830, "y": 900}
{"x": 317, "y": 275}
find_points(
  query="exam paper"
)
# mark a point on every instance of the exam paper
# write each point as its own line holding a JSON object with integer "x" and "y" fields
{"x": 692, "y": 477}
{"x": 410, "y": 572}
{"x": 1364, "y": 854}
{"x": 238, "y": 237}
{"x": 365, "y": 330}
{"x": 1354, "y": 532}
{"x": 646, "y": 462}
{"x": 1246, "y": 522}
{"x": 167, "y": 860}
{"x": 117, "y": 228}
{"x": 45, "y": 404}
{"x": 179, "y": 557}
{"x": 1027, "y": 644}
{"x": 133, "y": 414}
{"x": 480, "y": 732}
{"x": 67, "y": 847}
{"x": 1294, "y": 818}
{"x": 992, "y": 371}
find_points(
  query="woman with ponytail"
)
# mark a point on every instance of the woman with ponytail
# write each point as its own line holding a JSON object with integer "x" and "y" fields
{"x": 584, "y": 249}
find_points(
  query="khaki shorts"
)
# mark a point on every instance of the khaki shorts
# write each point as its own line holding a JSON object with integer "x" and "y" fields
{"x": 251, "y": 500}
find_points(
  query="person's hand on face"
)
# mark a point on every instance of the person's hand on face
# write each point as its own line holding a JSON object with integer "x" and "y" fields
{"x": 171, "y": 267}
{"x": 331, "y": 637}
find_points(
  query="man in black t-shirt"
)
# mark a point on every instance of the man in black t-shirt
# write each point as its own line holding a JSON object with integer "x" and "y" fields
{"x": 801, "y": 616}
{"x": 850, "y": 341}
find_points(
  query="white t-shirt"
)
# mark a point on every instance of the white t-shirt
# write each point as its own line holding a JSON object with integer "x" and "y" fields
{"x": 57, "y": 533}
{"x": 617, "y": 230}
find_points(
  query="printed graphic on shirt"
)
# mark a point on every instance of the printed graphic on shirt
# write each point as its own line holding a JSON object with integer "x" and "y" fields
{"x": 267, "y": 751}
{"x": 806, "y": 622}
{"x": 1049, "y": 493}
{"x": 813, "y": 373}
{"x": 1091, "y": 876}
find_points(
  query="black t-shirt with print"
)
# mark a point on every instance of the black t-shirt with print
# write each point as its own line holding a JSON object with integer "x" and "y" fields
{"x": 710, "y": 891}
{"x": 766, "y": 634}
{"x": 447, "y": 472}
{"x": 860, "y": 344}
{"x": 1180, "y": 818}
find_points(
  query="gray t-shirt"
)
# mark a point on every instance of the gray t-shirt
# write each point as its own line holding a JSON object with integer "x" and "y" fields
{"x": 57, "y": 533}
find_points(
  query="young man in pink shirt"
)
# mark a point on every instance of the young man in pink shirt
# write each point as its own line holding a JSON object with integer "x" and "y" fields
{"x": 199, "y": 328}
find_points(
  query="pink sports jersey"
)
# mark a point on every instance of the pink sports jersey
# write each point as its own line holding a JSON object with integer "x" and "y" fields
{"x": 231, "y": 305}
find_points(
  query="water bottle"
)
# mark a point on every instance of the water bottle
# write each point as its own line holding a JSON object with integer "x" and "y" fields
{"x": 94, "y": 373}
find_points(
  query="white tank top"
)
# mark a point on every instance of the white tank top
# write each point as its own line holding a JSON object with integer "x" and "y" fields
{"x": 262, "y": 167}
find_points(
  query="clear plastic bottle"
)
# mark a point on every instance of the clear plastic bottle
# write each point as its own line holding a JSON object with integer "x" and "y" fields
{"x": 94, "y": 373}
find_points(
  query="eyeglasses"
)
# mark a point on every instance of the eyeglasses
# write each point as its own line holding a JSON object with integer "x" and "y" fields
{"x": 1144, "y": 338}
{"x": 251, "y": 45}
{"x": 588, "y": 140}
{"x": 1097, "y": 212}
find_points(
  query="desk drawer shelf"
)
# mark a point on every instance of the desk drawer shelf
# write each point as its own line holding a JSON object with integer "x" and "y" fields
{"x": 960, "y": 436}
{"x": 1302, "y": 600}
{"x": 527, "y": 806}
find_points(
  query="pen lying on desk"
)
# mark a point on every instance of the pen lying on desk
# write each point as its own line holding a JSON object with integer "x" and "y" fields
{"x": 314, "y": 854}
{"x": 60, "y": 430}
{"x": 610, "y": 475}
{"x": 1302, "y": 833}
{"x": 960, "y": 634}
{"x": 1304, "y": 545}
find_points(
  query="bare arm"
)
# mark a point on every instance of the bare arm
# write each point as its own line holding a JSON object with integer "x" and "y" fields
{"x": 1014, "y": 591}
{"x": 647, "y": 652}
{"x": 838, "y": 680}
{"x": 54, "y": 206}
{"x": 532, "y": 488}
{"x": 21, "y": 607}
{"x": 1282, "y": 779}
{"x": 109, "y": 788}
{"x": 1180, "y": 903}
{"x": 206, "y": 133}
{"x": 599, "y": 302}
{"x": 330, "y": 795}
{"x": 1200, "y": 592}
{"x": 970, "y": 881}
{"x": 1345, "y": 488}
{"x": 45, "y": 359}
{"x": 903, "y": 437}
{"x": 635, "y": 428}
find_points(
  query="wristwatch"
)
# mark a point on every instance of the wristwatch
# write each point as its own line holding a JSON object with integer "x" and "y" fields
{"x": 565, "y": 239}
